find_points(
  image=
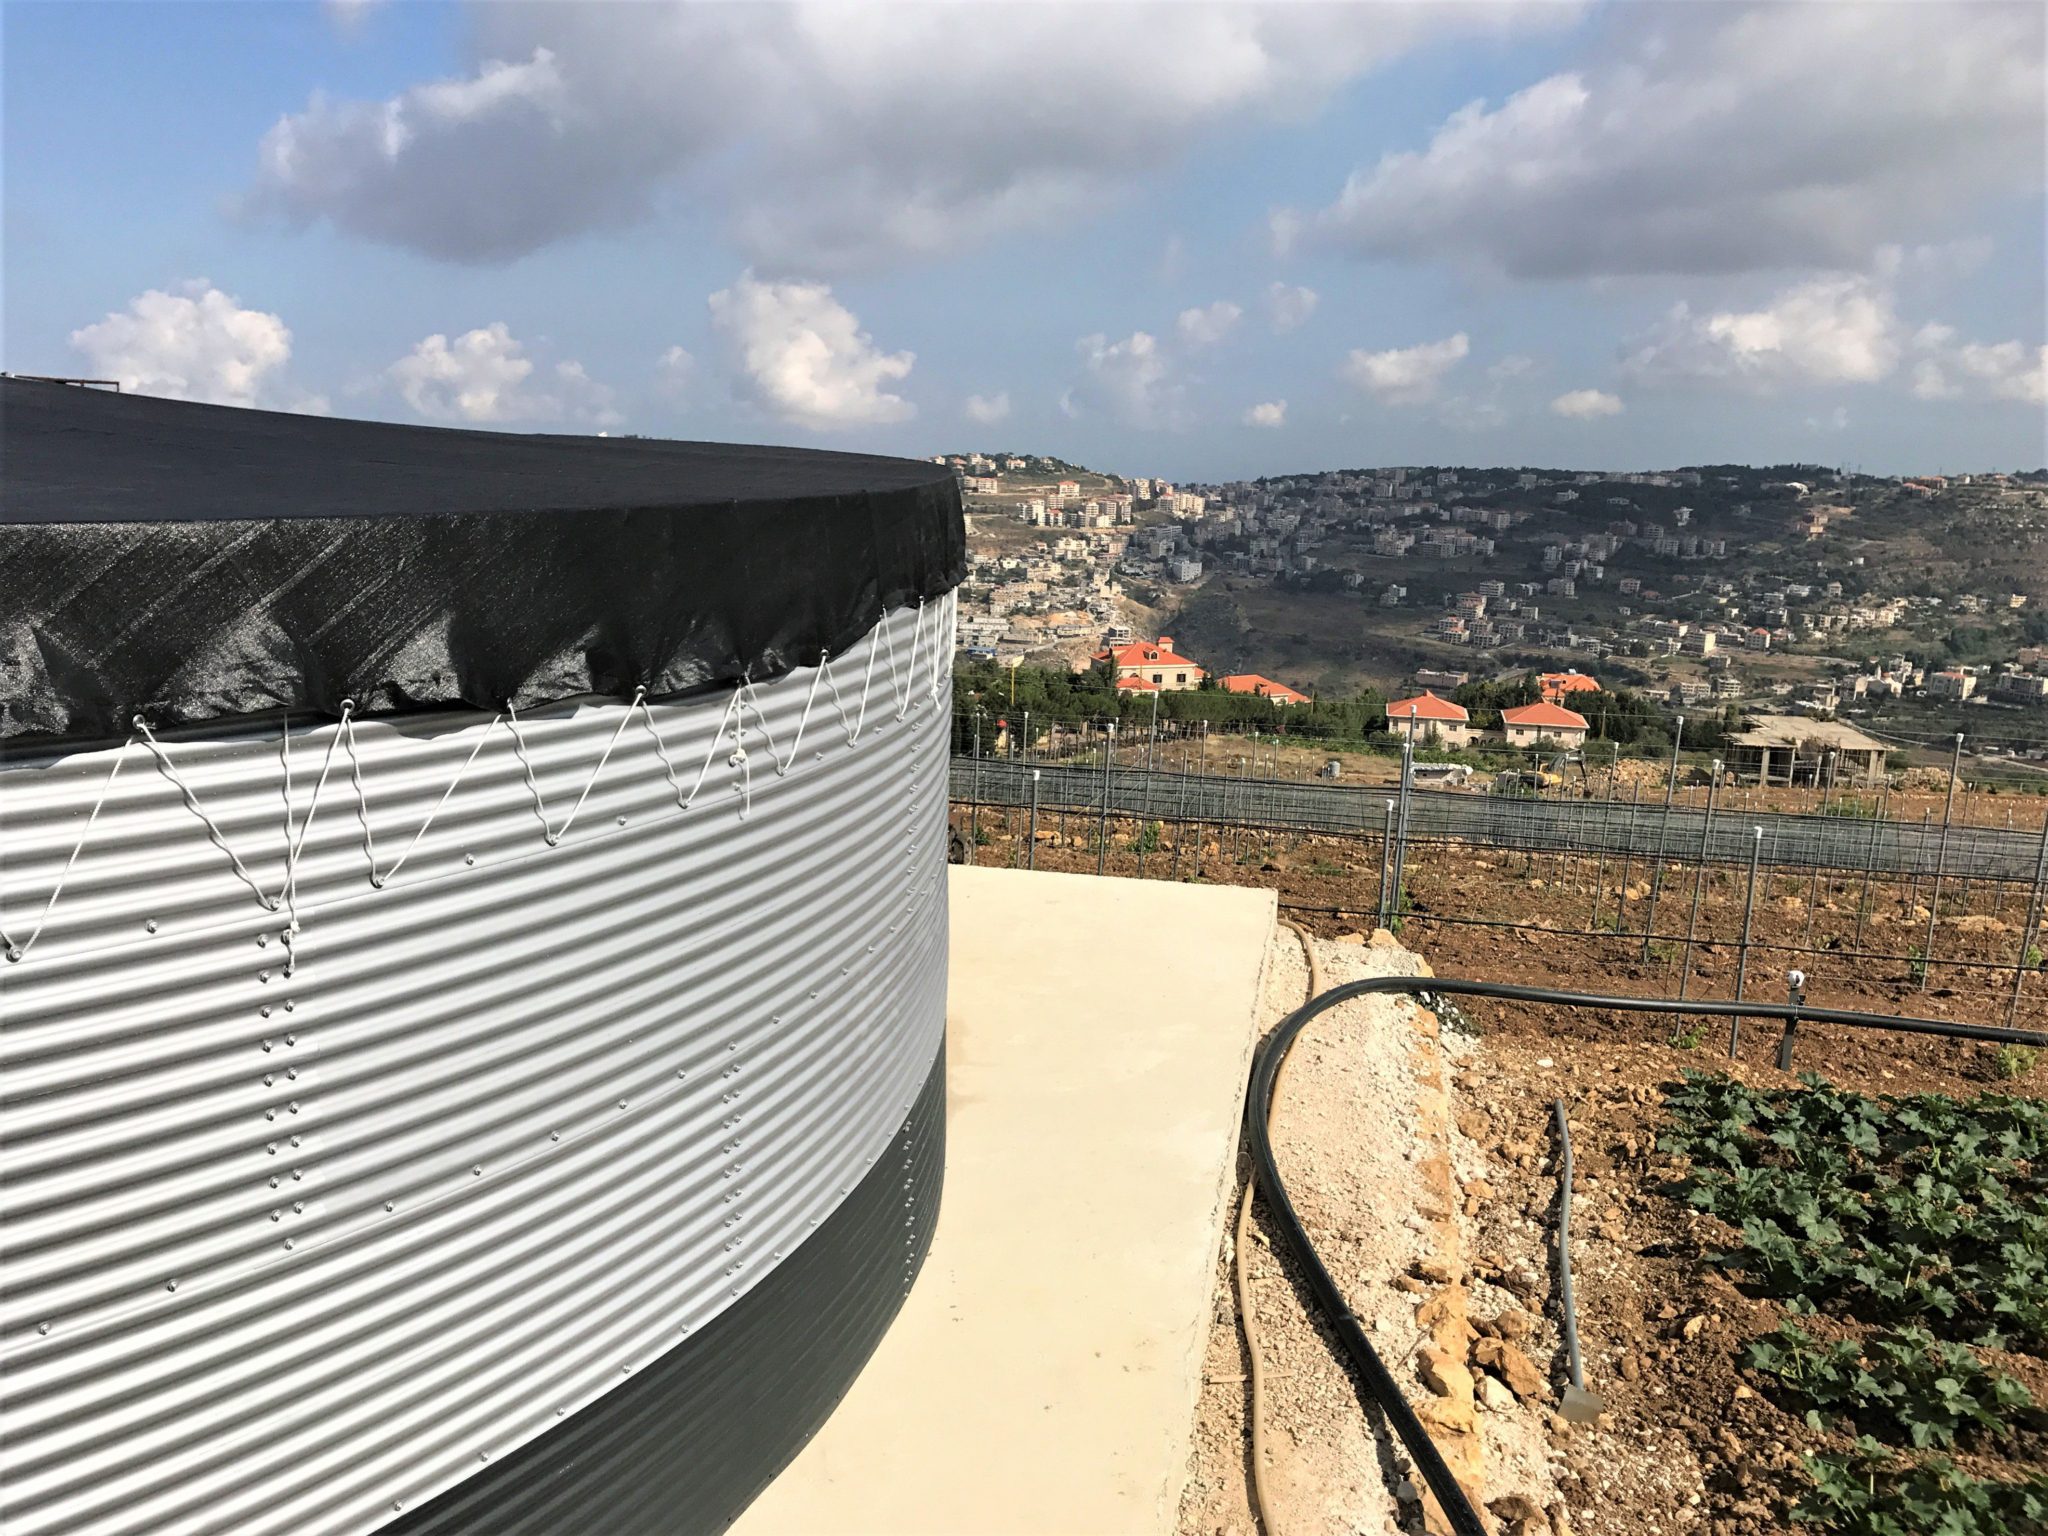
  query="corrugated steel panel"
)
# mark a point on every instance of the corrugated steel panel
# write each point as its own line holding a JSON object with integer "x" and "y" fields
{"x": 680, "y": 1448}
{"x": 299, "y": 1237}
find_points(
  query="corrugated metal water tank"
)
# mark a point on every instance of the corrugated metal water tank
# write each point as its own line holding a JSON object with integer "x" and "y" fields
{"x": 465, "y": 1118}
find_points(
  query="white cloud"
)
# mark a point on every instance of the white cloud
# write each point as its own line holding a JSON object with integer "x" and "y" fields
{"x": 1722, "y": 138}
{"x": 805, "y": 358}
{"x": 1836, "y": 420}
{"x": 675, "y": 373}
{"x": 988, "y": 409}
{"x": 1513, "y": 366}
{"x": 1586, "y": 404}
{"x": 829, "y": 134}
{"x": 1838, "y": 329}
{"x": 1405, "y": 375}
{"x": 1290, "y": 306}
{"x": 484, "y": 377}
{"x": 1209, "y": 324}
{"x": 1273, "y": 413}
{"x": 1130, "y": 380}
{"x": 2005, "y": 370}
{"x": 196, "y": 344}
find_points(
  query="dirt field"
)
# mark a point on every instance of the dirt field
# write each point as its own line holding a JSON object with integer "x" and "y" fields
{"x": 1331, "y": 885}
{"x": 1421, "y": 1155}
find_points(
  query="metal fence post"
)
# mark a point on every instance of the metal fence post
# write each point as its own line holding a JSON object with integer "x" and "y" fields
{"x": 1032, "y": 860}
{"x": 1795, "y": 995}
{"x": 1401, "y": 831}
{"x": 1102, "y": 822}
{"x": 1756, "y": 850}
{"x": 1657, "y": 866}
{"x": 1699, "y": 887}
{"x": 1386, "y": 864}
{"x": 1180, "y": 821}
{"x": 1940, "y": 864}
{"x": 1628, "y": 848}
{"x": 2030, "y": 925}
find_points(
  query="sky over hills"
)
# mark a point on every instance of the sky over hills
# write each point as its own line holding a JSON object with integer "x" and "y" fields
{"x": 1208, "y": 241}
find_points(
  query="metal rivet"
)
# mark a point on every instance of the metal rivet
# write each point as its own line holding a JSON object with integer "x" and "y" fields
{"x": 478, "y": 1170}
{"x": 291, "y": 1072}
{"x": 298, "y": 1173}
{"x": 622, "y": 1103}
{"x": 295, "y": 1141}
{"x": 264, "y": 1012}
{"x": 298, "y": 1207}
{"x": 263, "y": 975}
{"x": 262, "y": 939}
{"x": 287, "y": 1242}
{"x": 293, "y": 1106}
{"x": 274, "y": 1181}
{"x": 277, "y": 1215}
{"x": 622, "y": 821}
{"x": 150, "y": 926}
{"x": 390, "y": 1205}
{"x": 170, "y": 1285}
{"x": 483, "y": 1455}
{"x": 42, "y": 1327}
{"x": 469, "y": 858}
{"x": 554, "y": 1135}
{"x": 290, "y": 1039}
{"x": 270, "y": 1114}
{"x": 13, "y": 953}
{"x": 289, "y": 1005}
{"x": 266, "y": 1045}
{"x": 268, "y": 1079}
{"x": 272, "y": 1150}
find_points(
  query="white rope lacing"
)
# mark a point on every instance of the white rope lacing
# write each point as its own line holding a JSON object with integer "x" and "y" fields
{"x": 906, "y": 691}
{"x": 20, "y": 951}
{"x": 220, "y": 841}
{"x": 381, "y": 878}
{"x": 556, "y": 834}
{"x": 743, "y": 697}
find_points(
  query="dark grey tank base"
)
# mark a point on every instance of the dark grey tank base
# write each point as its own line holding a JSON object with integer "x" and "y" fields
{"x": 688, "y": 1443}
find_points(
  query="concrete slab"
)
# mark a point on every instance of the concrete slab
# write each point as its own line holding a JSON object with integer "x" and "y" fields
{"x": 1043, "y": 1374}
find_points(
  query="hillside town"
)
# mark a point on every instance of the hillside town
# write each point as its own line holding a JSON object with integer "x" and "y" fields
{"x": 1814, "y": 591}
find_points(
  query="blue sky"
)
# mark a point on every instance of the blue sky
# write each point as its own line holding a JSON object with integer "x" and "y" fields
{"x": 1614, "y": 235}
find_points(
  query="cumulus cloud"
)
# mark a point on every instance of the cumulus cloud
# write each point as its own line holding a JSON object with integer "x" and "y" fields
{"x": 1722, "y": 138}
{"x": 1289, "y": 305}
{"x": 195, "y": 344}
{"x": 484, "y": 377}
{"x": 1273, "y": 413}
{"x": 988, "y": 409}
{"x": 1586, "y": 404}
{"x": 675, "y": 373}
{"x": 1209, "y": 324}
{"x": 1405, "y": 375}
{"x": 803, "y": 356}
{"x": 829, "y": 134}
{"x": 2006, "y": 370}
{"x": 1131, "y": 380}
{"x": 1838, "y": 329}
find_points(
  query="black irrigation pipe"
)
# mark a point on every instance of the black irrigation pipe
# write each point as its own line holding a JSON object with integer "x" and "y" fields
{"x": 1273, "y": 1052}
{"x": 1661, "y": 938}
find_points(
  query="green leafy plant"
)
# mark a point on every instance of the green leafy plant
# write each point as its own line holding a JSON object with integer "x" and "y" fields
{"x": 1870, "y": 1492}
{"x": 1147, "y": 840}
{"x": 1924, "y": 1209}
{"x": 1916, "y": 963}
{"x": 2016, "y": 1061}
{"x": 1902, "y": 1380}
{"x": 1689, "y": 1039}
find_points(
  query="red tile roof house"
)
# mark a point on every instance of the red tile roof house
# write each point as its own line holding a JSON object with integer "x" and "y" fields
{"x": 1426, "y": 715}
{"x": 1530, "y": 723}
{"x": 1265, "y": 687}
{"x": 1557, "y": 686}
{"x": 1156, "y": 665}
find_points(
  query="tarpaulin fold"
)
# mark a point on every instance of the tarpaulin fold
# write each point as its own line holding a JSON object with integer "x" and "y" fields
{"x": 192, "y": 562}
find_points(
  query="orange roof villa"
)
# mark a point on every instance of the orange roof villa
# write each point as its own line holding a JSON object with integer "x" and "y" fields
{"x": 1152, "y": 666}
{"x": 1556, "y": 687}
{"x": 1265, "y": 687}
{"x": 1426, "y": 714}
{"x": 1530, "y": 723}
